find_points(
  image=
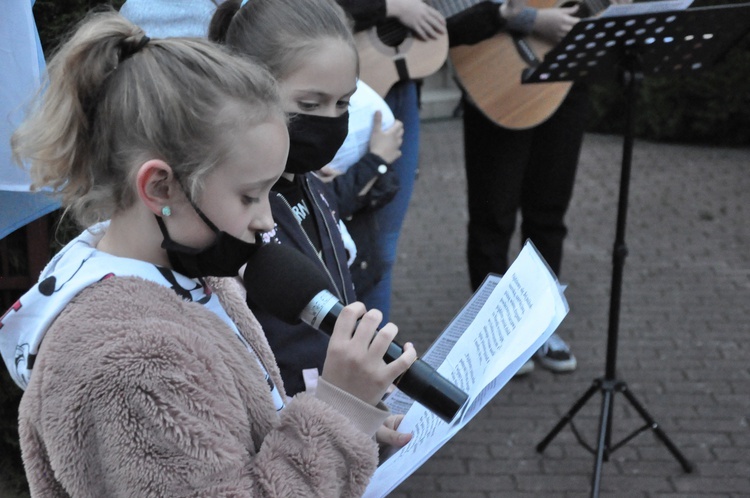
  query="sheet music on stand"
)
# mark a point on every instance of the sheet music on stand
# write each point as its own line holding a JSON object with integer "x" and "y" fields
{"x": 670, "y": 41}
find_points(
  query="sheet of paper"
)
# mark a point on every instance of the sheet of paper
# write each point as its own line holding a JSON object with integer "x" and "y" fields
{"x": 633, "y": 9}
{"x": 399, "y": 402}
{"x": 493, "y": 335}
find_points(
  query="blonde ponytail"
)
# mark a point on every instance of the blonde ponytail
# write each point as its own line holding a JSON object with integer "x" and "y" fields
{"x": 114, "y": 99}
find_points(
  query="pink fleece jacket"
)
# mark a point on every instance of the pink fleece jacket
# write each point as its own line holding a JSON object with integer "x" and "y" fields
{"x": 136, "y": 392}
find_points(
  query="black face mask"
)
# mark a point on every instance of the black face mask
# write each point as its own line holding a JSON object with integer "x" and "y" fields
{"x": 223, "y": 258}
{"x": 314, "y": 141}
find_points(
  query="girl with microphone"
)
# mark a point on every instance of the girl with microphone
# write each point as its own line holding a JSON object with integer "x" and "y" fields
{"x": 145, "y": 372}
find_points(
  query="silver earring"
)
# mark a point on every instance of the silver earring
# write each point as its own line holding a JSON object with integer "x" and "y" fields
{"x": 166, "y": 211}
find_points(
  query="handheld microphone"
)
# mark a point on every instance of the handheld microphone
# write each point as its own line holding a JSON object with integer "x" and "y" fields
{"x": 285, "y": 283}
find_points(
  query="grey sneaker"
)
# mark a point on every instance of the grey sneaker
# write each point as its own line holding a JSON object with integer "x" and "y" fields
{"x": 526, "y": 368}
{"x": 555, "y": 355}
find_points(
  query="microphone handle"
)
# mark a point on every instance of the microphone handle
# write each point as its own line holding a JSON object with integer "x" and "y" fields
{"x": 420, "y": 382}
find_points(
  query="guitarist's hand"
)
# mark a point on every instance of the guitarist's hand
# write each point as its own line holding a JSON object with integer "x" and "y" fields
{"x": 423, "y": 20}
{"x": 511, "y": 8}
{"x": 554, "y": 23}
{"x": 386, "y": 143}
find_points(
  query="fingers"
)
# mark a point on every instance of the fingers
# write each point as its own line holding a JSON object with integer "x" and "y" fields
{"x": 327, "y": 173}
{"x": 397, "y": 132}
{"x": 382, "y": 341}
{"x": 387, "y": 435}
{"x": 434, "y": 23}
{"x": 383, "y": 338}
{"x": 366, "y": 329}
{"x": 425, "y": 21}
{"x": 342, "y": 329}
{"x": 394, "y": 421}
{"x": 387, "y": 143}
{"x": 354, "y": 361}
{"x": 403, "y": 362}
{"x": 554, "y": 23}
{"x": 377, "y": 120}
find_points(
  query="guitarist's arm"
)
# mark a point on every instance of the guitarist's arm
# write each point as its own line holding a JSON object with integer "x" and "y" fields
{"x": 365, "y": 13}
{"x": 425, "y": 21}
{"x": 485, "y": 19}
{"x": 554, "y": 23}
{"x": 422, "y": 19}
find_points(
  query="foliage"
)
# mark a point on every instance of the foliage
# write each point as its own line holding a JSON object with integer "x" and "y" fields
{"x": 711, "y": 106}
{"x": 55, "y": 18}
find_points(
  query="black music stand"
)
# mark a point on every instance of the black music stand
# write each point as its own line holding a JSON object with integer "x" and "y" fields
{"x": 628, "y": 47}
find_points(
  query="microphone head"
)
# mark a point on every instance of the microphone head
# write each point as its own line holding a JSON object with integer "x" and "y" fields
{"x": 282, "y": 281}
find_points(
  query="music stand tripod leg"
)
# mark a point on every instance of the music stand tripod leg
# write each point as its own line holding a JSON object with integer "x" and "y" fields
{"x": 658, "y": 431}
{"x": 567, "y": 417}
{"x": 602, "y": 444}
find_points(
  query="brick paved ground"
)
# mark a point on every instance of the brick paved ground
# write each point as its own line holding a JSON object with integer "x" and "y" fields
{"x": 685, "y": 323}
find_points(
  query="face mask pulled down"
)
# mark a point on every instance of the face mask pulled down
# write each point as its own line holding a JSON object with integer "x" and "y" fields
{"x": 223, "y": 258}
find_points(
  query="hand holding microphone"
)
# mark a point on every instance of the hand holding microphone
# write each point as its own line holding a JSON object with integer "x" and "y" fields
{"x": 354, "y": 363}
{"x": 286, "y": 284}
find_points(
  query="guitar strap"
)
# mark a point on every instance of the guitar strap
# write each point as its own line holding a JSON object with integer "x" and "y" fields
{"x": 401, "y": 69}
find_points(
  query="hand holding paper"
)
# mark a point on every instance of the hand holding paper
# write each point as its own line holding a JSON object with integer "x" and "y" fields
{"x": 495, "y": 333}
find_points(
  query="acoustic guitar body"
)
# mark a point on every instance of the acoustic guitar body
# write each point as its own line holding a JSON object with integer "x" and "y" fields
{"x": 490, "y": 73}
{"x": 390, "y": 53}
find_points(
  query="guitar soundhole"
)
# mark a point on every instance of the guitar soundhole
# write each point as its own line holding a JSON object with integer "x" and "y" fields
{"x": 391, "y": 32}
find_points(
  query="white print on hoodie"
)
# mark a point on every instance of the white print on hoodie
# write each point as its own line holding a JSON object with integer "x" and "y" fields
{"x": 78, "y": 265}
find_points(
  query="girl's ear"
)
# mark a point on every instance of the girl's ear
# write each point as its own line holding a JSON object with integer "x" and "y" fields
{"x": 155, "y": 183}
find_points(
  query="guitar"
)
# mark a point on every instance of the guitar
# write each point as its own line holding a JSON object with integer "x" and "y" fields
{"x": 389, "y": 53}
{"x": 490, "y": 72}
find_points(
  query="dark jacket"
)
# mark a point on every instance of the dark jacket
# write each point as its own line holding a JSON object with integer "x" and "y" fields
{"x": 300, "y": 346}
{"x": 357, "y": 203}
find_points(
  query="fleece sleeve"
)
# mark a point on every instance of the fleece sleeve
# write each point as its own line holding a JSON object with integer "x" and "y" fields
{"x": 173, "y": 407}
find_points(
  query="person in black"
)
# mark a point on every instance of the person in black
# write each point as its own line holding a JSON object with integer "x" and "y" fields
{"x": 530, "y": 170}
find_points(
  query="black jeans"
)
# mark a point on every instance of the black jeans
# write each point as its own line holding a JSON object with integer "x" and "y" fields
{"x": 529, "y": 170}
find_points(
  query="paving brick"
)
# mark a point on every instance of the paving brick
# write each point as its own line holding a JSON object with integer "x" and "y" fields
{"x": 683, "y": 329}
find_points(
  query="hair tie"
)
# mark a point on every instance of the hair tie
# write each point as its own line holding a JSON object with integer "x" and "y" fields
{"x": 242, "y": 4}
{"x": 127, "y": 50}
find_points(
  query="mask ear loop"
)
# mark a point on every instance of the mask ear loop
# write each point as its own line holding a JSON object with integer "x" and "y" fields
{"x": 203, "y": 217}
{"x": 208, "y": 222}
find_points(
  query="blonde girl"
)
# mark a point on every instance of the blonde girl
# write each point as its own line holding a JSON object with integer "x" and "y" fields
{"x": 145, "y": 372}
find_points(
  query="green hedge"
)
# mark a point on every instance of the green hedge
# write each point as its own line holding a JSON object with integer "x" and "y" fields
{"x": 708, "y": 107}
{"x": 55, "y": 18}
